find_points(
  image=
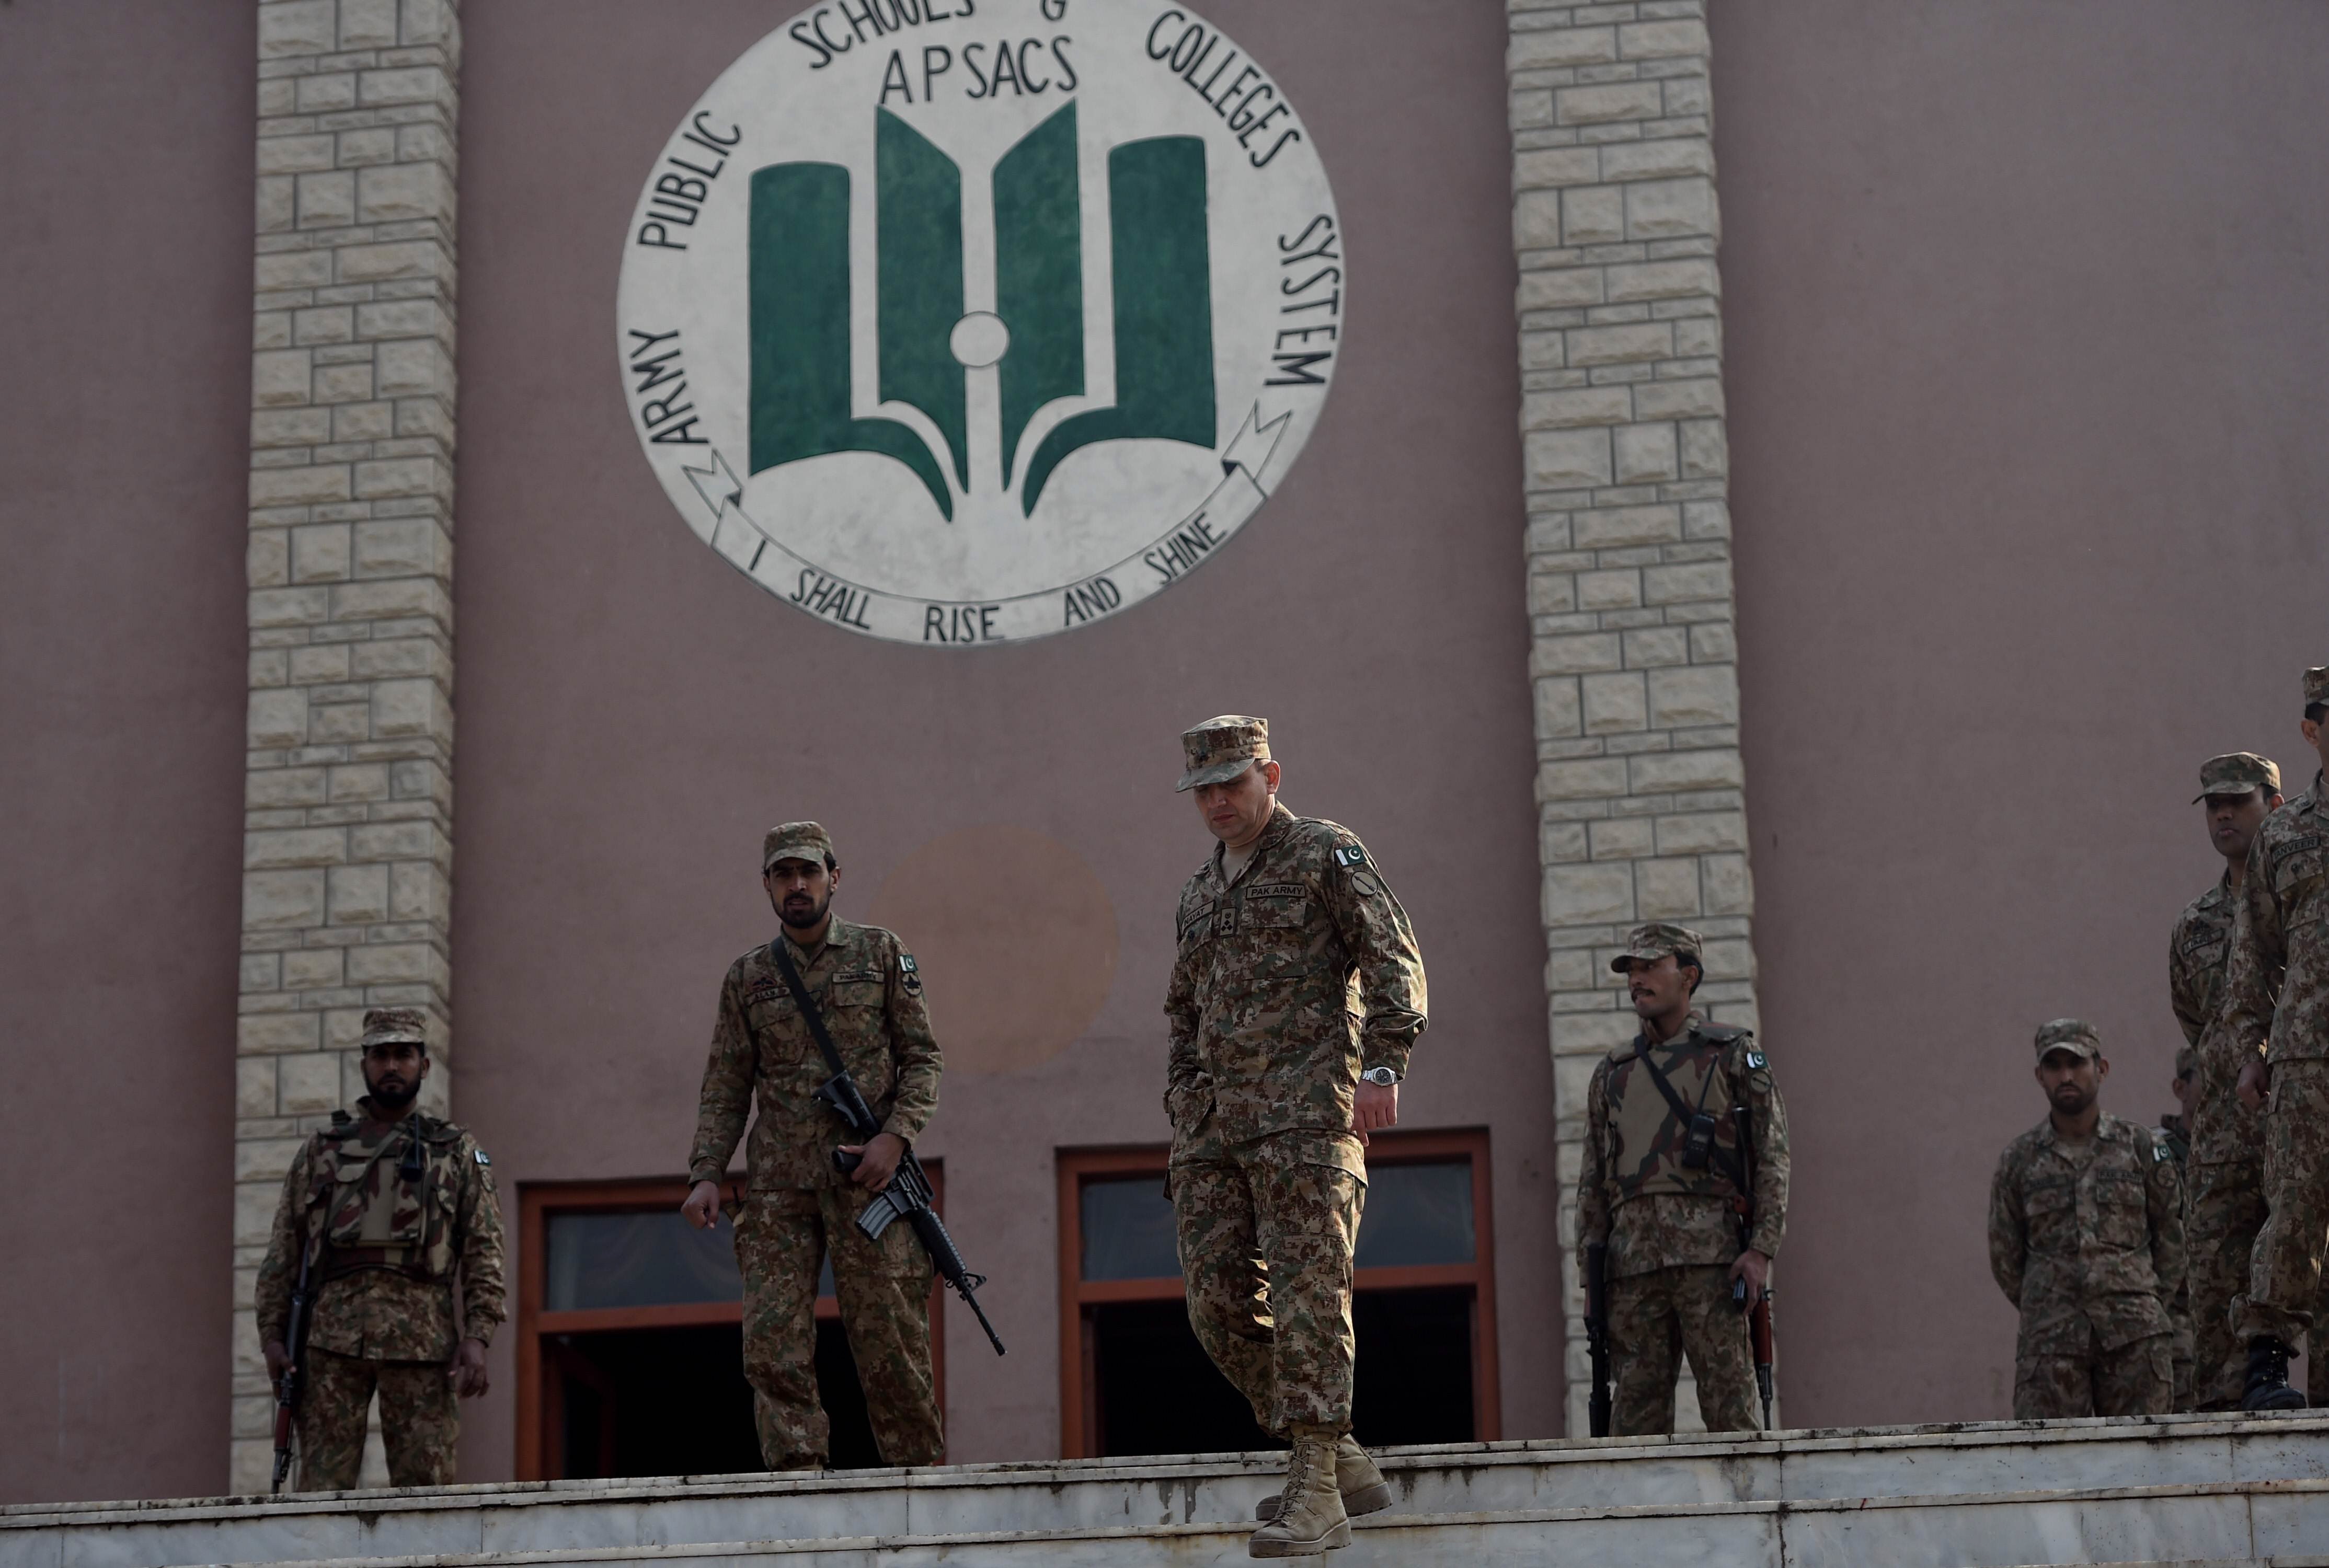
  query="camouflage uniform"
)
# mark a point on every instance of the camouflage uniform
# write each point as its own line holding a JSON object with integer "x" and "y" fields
{"x": 2278, "y": 996}
{"x": 2223, "y": 1199}
{"x": 1673, "y": 1232}
{"x": 2172, "y": 1136}
{"x": 1275, "y": 972}
{"x": 399, "y": 1207}
{"x": 2088, "y": 1244}
{"x": 798, "y": 1206}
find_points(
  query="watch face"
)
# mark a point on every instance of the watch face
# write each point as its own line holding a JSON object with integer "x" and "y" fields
{"x": 965, "y": 322}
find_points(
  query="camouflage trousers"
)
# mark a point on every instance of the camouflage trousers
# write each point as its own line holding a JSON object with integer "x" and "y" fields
{"x": 2226, "y": 1210}
{"x": 1265, "y": 1246}
{"x": 2285, "y": 1271}
{"x": 1656, "y": 1318}
{"x": 2138, "y": 1378}
{"x": 782, "y": 1236}
{"x": 420, "y": 1420}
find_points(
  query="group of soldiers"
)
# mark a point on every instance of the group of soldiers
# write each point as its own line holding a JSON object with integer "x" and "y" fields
{"x": 1296, "y": 997}
{"x": 2180, "y": 1268}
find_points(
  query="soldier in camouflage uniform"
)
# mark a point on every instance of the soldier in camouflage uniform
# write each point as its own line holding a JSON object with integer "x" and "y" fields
{"x": 2173, "y": 1134}
{"x": 2223, "y": 1169}
{"x": 2086, "y": 1237}
{"x": 1296, "y": 995}
{"x": 798, "y": 1207}
{"x": 2277, "y": 1001}
{"x": 1680, "y": 1277}
{"x": 389, "y": 1206}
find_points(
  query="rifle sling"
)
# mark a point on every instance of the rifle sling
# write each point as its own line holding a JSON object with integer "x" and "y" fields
{"x": 808, "y": 1010}
{"x": 1683, "y": 1113}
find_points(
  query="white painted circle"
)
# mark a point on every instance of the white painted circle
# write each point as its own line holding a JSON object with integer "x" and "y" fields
{"x": 965, "y": 322}
{"x": 979, "y": 340}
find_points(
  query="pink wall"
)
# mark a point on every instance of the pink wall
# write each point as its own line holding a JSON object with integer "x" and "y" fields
{"x": 2025, "y": 329}
{"x": 125, "y": 306}
{"x": 633, "y": 713}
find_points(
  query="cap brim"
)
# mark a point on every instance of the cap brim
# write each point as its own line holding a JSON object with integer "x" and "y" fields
{"x": 1618, "y": 965}
{"x": 811, "y": 853}
{"x": 369, "y": 1041}
{"x": 2092, "y": 1053}
{"x": 1219, "y": 773}
{"x": 2232, "y": 792}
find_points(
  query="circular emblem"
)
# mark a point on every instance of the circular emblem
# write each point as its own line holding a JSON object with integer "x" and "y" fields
{"x": 964, "y": 321}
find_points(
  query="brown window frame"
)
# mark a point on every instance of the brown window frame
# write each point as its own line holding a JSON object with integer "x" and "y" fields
{"x": 1079, "y": 1389}
{"x": 540, "y": 1400}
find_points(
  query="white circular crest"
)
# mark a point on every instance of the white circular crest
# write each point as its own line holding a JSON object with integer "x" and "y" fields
{"x": 964, "y": 321}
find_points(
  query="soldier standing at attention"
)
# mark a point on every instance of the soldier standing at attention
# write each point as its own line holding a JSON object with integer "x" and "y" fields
{"x": 2277, "y": 1001}
{"x": 388, "y": 1206}
{"x": 2086, "y": 1237}
{"x": 1667, "y": 1160}
{"x": 1296, "y": 995}
{"x": 798, "y": 1207}
{"x": 2224, "y": 1168}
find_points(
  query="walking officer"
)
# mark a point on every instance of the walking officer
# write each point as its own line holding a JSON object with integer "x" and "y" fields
{"x": 2085, "y": 1238}
{"x": 392, "y": 1208}
{"x": 1681, "y": 1126}
{"x": 798, "y": 1206}
{"x": 1296, "y": 995}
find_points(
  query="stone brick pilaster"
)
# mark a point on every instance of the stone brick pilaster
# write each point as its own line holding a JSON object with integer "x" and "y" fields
{"x": 1641, "y": 811}
{"x": 347, "y": 842}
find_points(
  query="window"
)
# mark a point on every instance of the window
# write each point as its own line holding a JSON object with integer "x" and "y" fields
{"x": 630, "y": 1339}
{"x": 1133, "y": 1378}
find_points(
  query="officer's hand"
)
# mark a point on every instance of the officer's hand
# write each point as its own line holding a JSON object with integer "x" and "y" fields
{"x": 1755, "y": 1269}
{"x": 468, "y": 1373}
{"x": 703, "y": 1206}
{"x": 279, "y": 1360}
{"x": 1376, "y": 1108}
{"x": 877, "y": 1161}
{"x": 2256, "y": 1082}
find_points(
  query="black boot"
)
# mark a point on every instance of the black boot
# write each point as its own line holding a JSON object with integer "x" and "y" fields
{"x": 2269, "y": 1387}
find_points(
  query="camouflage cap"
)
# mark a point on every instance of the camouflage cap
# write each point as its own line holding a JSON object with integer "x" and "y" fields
{"x": 1653, "y": 941}
{"x": 394, "y": 1026}
{"x": 2235, "y": 774}
{"x": 2073, "y": 1035}
{"x": 2317, "y": 685}
{"x": 1221, "y": 748}
{"x": 796, "y": 842}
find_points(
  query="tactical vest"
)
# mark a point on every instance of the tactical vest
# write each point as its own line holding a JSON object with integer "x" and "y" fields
{"x": 386, "y": 1200}
{"x": 1646, "y": 1140}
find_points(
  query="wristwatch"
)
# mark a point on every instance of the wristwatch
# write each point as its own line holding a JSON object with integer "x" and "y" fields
{"x": 1381, "y": 1077}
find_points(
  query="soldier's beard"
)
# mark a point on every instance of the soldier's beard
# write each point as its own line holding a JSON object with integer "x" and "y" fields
{"x": 801, "y": 912}
{"x": 396, "y": 1098}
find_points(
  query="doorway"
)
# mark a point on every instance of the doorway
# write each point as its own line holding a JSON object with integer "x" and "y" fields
{"x": 631, "y": 1341}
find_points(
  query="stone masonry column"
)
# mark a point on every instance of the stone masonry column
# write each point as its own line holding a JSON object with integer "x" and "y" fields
{"x": 1640, "y": 803}
{"x": 347, "y": 841}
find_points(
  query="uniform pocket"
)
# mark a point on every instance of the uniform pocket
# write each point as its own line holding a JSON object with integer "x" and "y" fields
{"x": 1277, "y": 914}
{"x": 2296, "y": 872}
{"x": 2122, "y": 1217}
{"x": 2049, "y": 1211}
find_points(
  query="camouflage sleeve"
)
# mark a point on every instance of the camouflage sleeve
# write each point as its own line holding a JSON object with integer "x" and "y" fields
{"x": 725, "y": 1102}
{"x": 2008, "y": 1243}
{"x": 484, "y": 1247}
{"x": 2259, "y": 953}
{"x": 1184, "y": 1070}
{"x": 1773, "y": 1162}
{"x": 1593, "y": 1178}
{"x": 2183, "y": 988}
{"x": 2164, "y": 1189}
{"x": 914, "y": 1047}
{"x": 279, "y": 1271}
{"x": 1383, "y": 956}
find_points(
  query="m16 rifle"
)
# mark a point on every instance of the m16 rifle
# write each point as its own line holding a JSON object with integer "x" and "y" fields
{"x": 1597, "y": 1333}
{"x": 293, "y": 1382}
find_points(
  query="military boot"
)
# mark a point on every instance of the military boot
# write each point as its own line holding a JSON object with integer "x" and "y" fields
{"x": 1310, "y": 1519}
{"x": 2269, "y": 1387}
{"x": 1362, "y": 1485}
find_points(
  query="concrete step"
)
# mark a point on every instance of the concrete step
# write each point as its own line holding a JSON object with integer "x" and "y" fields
{"x": 2174, "y": 1488}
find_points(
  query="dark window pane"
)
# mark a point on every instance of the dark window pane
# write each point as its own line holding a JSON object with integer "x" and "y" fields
{"x": 1417, "y": 1214}
{"x": 1127, "y": 1226}
{"x": 1157, "y": 1391}
{"x": 638, "y": 1260}
{"x": 1414, "y": 1372}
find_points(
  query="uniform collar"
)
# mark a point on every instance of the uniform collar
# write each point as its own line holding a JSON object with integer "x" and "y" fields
{"x": 836, "y": 936}
{"x": 1280, "y": 821}
{"x": 2048, "y": 1138}
{"x": 1690, "y": 1028}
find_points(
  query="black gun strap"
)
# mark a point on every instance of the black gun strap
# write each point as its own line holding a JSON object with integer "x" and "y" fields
{"x": 809, "y": 1015}
{"x": 1683, "y": 1113}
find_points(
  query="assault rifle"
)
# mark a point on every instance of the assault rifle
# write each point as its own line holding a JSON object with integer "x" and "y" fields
{"x": 294, "y": 1379}
{"x": 908, "y": 1196}
{"x": 1759, "y": 1311}
{"x": 1597, "y": 1333}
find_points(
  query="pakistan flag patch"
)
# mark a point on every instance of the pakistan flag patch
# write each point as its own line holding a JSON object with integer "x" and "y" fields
{"x": 1349, "y": 856}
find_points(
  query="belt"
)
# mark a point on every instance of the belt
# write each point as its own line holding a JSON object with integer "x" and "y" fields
{"x": 352, "y": 1260}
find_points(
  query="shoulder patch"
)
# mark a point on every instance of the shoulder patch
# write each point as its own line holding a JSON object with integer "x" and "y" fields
{"x": 483, "y": 1159}
{"x": 1755, "y": 1063}
{"x": 1365, "y": 884}
{"x": 906, "y": 961}
{"x": 1350, "y": 856}
{"x": 910, "y": 973}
